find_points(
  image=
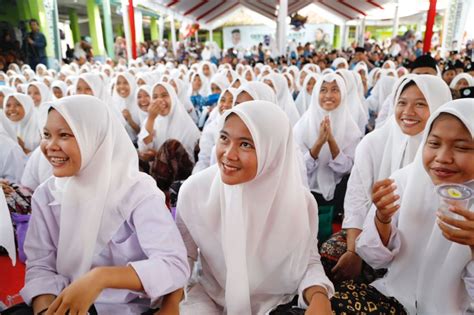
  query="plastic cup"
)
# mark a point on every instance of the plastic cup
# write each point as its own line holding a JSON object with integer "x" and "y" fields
{"x": 453, "y": 195}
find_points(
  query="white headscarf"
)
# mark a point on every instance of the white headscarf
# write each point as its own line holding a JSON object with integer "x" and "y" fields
{"x": 357, "y": 109}
{"x": 142, "y": 114}
{"x": 176, "y": 125}
{"x": 230, "y": 223}
{"x": 60, "y": 85}
{"x": 380, "y": 92}
{"x": 6, "y": 128}
{"x": 283, "y": 97}
{"x": 462, "y": 76}
{"x": 109, "y": 170}
{"x": 184, "y": 98}
{"x": 96, "y": 84}
{"x": 426, "y": 275}
{"x": 44, "y": 91}
{"x": 220, "y": 80}
{"x": 343, "y": 127}
{"x": 127, "y": 103}
{"x": 205, "y": 89}
{"x": 28, "y": 128}
{"x": 303, "y": 99}
{"x": 258, "y": 91}
{"x": 338, "y": 61}
{"x": 6, "y": 90}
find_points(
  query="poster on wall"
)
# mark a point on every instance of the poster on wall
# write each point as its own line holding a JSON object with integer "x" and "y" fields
{"x": 244, "y": 37}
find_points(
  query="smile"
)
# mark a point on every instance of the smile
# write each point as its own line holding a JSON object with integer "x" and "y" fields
{"x": 409, "y": 122}
{"x": 57, "y": 161}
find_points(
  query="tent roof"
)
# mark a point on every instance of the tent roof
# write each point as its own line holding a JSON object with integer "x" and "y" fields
{"x": 206, "y": 11}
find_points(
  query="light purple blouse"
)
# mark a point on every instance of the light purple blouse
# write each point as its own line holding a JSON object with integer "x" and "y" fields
{"x": 149, "y": 241}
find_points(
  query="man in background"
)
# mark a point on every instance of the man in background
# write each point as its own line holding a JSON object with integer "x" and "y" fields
{"x": 35, "y": 45}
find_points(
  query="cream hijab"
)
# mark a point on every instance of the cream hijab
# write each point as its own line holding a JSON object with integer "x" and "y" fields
{"x": 109, "y": 170}
{"x": 426, "y": 275}
{"x": 283, "y": 97}
{"x": 28, "y": 129}
{"x": 176, "y": 125}
{"x": 345, "y": 132}
{"x": 462, "y": 76}
{"x": 238, "y": 243}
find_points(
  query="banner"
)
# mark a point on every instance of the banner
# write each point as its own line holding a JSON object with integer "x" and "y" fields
{"x": 244, "y": 37}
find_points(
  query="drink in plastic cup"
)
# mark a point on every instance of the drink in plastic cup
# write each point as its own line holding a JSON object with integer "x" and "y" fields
{"x": 453, "y": 195}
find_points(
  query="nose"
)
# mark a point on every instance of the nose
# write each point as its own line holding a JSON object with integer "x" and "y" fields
{"x": 409, "y": 109}
{"x": 231, "y": 152}
{"x": 51, "y": 144}
{"x": 444, "y": 155}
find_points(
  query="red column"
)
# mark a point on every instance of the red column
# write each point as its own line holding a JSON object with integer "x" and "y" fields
{"x": 429, "y": 26}
{"x": 131, "y": 18}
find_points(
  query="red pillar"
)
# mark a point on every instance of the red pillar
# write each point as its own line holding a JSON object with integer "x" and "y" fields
{"x": 429, "y": 26}
{"x": 131, "y": 18}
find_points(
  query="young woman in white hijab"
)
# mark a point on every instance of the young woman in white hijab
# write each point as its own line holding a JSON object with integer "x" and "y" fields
{"x": 12, "y": 157}
{"x": 283, "y": 97}
{"x": 248, "y": 75}
{"x": 92, "y": 84}
{"x": 143, "y": 98}
{"x": 4, "y": 92}
{"x": 340, "y": 63}
{"x": 210, "y": 132}
{"x": 59, "y": 89}
{"x": 39, "y": 93}
{"x": 303, "y": 99}
{"x": 123, "y": 99}
{"x": 429, "y": 254}
{"x": 462, "y": 80}
{"x": 21, "y": 116}
{"x": 356, "y": 107}
{"x": 122, "y": 238}
{"x": 254, "y": 91}
{"x": 245, "y": 270}
{"x": 199, "y": 85}
{"x": 167, "y": 119}
{"x": 377, "y": 156}
{"x": 327, "y": 136}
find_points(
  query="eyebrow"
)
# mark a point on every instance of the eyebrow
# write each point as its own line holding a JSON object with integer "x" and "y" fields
{"x": 240, "y": 138}
{"x": 455, "y": 140}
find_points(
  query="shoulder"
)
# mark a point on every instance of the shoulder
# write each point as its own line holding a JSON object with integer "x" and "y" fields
{"x": 42, "y": 195}
{"x": 199, "y": 182}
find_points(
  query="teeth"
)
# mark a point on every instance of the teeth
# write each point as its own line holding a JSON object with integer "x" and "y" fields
{"x": 409, "y": 121}
{"x": 230, "y": 168}
{"x": 58, "y": 160}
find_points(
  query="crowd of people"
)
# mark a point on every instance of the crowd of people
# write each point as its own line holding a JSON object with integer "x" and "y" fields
{"x": 169, "y": 185}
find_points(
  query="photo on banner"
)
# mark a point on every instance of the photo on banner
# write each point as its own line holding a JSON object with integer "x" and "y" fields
{"x": 244, "y": 37}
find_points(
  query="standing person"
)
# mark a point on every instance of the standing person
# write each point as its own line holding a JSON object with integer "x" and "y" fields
{"x": 36, "y": 45}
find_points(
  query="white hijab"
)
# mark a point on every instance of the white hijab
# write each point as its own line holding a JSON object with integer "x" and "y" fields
{"x": 176, "y": 125}
{"x": 380, "y": 92}
{"x": 387, "y": 149}
{"x": 343, "y": 127}
{"x": 142, "y": 114}
{"x": 258, "y": 91}
{"x": 96, "y": 84}
{"x": 426, "y": 275}
{"x": 44, "y": 91}
{"x": 127, "y": 103}
{"x": 356, "y": 107}
{"x": 60, "y": 85}
{"x": 229, "y": 223}
{"x": 339, "y": 61}
{"x": 109, "y": 170}
{"x": 462, "y": 76}
{"x": 28, "y": 128}
{"x": 303, "y": 99}
{"x": 284, "y": 99}
{"x": 205, "y": 89}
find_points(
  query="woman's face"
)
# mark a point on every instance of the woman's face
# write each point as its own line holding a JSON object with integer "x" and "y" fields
{"x": 412, "y": 111}
{"x": 461, "y": 84}
{"x": 243, "y": 97}
{"x": 82, "y": 87}
{"x": 236, "y": 84}
{"x": 60, "y": 147}
{"x": 57, "y": 92}
{"x": 229, "y": 77}
{"x": 225, "y": 102}
{"x": 302, "y": 76}
{"x": 206, "y": 71}
{"x": 197, "y": 83}
{"x": 143, "y": 100}
{"x": 162, "y": 98}
{"x": 215, "y": 89}
{"x": 248, "y": 76}
{"x": 14, "y": 110}
{"x": 141, "y": 82}
{"x": 449, "y": 151}
{"x": 329, "y": 96}
{"x": 174, "y": 85}
{"x": 122, "y": 87}
{"x": 35, "y": 94}
{"x": 310, "y": 86}
{"x": 236, "y": 153}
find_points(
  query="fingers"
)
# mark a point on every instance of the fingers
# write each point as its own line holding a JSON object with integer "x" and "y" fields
{"x": 54, "y": 306}
{"x": 466, "y": 225}
{"x": 381, "y": 192}
{"x": 381, "y": 183}
{"x": 456, "y": 235}
{"x": 468, "y": 215}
